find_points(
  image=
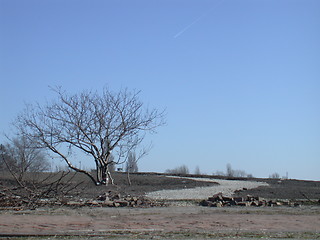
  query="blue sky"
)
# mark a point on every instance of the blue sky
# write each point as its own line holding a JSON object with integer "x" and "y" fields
{"x": 240, "y": 80}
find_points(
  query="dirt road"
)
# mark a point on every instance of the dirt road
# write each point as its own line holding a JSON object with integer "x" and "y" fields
{"x": 227, "y": 187}
{"x": 167, "y": 222}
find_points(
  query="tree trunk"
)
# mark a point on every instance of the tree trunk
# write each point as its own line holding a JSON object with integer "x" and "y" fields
{"x": 128, "y": 178}
{"x": 98, "y": 169}
{"x": 110, "y": 177}
{"x": 104, "y": 176}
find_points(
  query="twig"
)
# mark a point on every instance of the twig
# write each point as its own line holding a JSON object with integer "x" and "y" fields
{"x": 304, "y": 195}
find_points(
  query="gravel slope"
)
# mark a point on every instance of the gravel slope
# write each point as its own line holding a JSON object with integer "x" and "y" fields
{"x": 227, "y": 187}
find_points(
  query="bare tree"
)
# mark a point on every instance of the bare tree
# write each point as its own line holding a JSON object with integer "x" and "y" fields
{"x": 132, "y": 165}
{"x": 96, "y": 124}
{"x": 23, "y": 156}
{"x": 5, "y": 158}
{"x": 236, "y": 173}
{"x": 230, "y": 171}
{"x": 197, "y": 171}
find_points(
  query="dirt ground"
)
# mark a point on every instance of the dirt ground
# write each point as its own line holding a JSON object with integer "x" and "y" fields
{"x": 184, "y": 222}
{"x": 180, "y": 220}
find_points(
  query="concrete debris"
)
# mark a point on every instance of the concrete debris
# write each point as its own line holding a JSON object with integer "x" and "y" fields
{"x": 218, "y": 200}
{"x": 109, "y": 199}
{"x": 115, "y": 200}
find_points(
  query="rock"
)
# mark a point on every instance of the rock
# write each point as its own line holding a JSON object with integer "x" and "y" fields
{"x": 103, "y": 197}
{"x": 243, "y": 204}
{"x": 108, "y": 203}
{"x": 238, "y": 199}
{"x": 205, "y": 203}
{"x": 129, "y": 199}
{"x": 254, "y": 203}
{"x": 270, "y": 203}
{"x": 216, "y": 197}
{"x": 116, "y": 196}
{"x": 260, "y": 199}
{"x": 227, "y": 199}
{"x": 92, "y": 202}
{"x": 74, "y": 203}
{"x": 250, "y": 198}
{"x": 262, "y": 203}
{"x": 216, "y": 204}
{"x": 286, "y": 203}
{"x": 123, "y": 203}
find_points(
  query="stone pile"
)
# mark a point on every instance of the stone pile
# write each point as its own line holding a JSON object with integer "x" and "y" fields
{"x": 111, "y": 199}
{"x": 218, "y": 200}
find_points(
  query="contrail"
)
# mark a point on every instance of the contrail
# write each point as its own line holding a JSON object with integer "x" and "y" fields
{"x": 197, "y": 19}
{"x": 187, "y": 27}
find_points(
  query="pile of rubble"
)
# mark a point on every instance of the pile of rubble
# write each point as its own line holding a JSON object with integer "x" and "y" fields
{"x": 111, "y": 199}
{"x": 9, "y": 200}
{"x": 218, "y": 200}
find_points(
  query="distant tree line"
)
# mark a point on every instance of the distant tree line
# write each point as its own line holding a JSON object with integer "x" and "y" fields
{"x": 277, "y": 176}
{"x": 230, "y": 172}
{"x": 183, "y": 169}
